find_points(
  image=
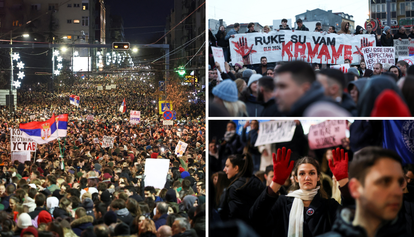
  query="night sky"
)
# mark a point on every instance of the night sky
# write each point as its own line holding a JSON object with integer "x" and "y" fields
{"x": 144, "y": 21}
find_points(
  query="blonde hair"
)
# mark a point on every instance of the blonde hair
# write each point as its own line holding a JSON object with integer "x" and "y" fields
{"x": 240, "y": 85}
{"x": 236, "y": 109}
{"x": 86, "y": 195}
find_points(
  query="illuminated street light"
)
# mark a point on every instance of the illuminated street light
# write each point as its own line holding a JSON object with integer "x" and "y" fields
{"x": 26, "y": 35}
{"x": 64, "y": 49}
{"x": 135, "y": 50}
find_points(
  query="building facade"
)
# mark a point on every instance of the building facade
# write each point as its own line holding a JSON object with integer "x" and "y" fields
{"x": 327, "y": 19}
{"x": 402, "y": 13}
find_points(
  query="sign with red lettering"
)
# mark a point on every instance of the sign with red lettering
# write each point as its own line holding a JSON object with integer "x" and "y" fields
{"x": 327, "y": 134}
{"x": 311, "y": 47}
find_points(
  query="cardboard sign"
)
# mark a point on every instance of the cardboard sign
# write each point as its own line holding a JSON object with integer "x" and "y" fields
{"x": 180, "y": 148}
{"x": 100, "y": 88}
{"x": 275, "y": 131}
{"x": 218, "y": 56}
{"x": 20, "y": 143}
{"x": 327, "y": 134}
{"x": 156, "y": 171}
{"x": 113, "y": 86}
{"x": 135, "y": 117}
{"x": 108, "y": 142}
{"x": 373, "y": 55}
{"x": 311, "y": 47}
{"x": 108, "y": 88}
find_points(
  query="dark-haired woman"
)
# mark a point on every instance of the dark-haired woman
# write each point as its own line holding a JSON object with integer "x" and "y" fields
{"x": 307, "y": 211}
{"x": 243, "y": 190}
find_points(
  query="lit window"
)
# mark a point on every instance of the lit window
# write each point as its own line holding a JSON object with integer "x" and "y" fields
{"x": 84, "y": 6}
{"x": 76, "y": 21}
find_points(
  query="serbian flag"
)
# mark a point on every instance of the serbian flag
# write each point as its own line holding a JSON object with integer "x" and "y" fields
{"x": 122, "y": 109}
{"x": 49, "y": 130}
{"x": 74, "y": 100}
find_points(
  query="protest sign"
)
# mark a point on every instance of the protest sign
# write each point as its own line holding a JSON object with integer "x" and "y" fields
{"x": 327, "y": 134}
{"x": 108, "y": 142}
{"x": 32, "y": 117}
{"x": 403, "y": 48}
{"x": 108, "y": 87}
{"x": 135, "y": 117}
{"x": 218, "y": 56}
{"x": 100, "y": 88}
{"x": 96, "y": 140}
{"x": 311, "y": 47}
{"x": 373, "y": 55}
{"x": 113, "y": 86}
{"x": 409, "y": 60}
{"x": 180, "y": 148}
{"x": 21, "y": 156}
{"x": 275, "y": 131}
{"x": 89, "y": 117}
{"x": 20, "y": 143}
{"x": 156, "y": 171}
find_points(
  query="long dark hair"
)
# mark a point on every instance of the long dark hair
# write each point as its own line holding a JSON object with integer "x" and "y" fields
{"x": 245, "y": 164}
{"x": 222, "y": 182}
{"x": 314, "y": 163}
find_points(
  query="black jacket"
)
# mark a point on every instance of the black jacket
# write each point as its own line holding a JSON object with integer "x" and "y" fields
{"x": 386, "y": 42}
{"x": 36, "y": 212}
{"x": 238, "y": 198}
{"x": 349, "y": 104}
{"x": 270, "y": 214}
{"x": 220, "y": 39}
{"x": 367, "y": 73}
{"x": 270, "y": 109}
{"x": 399, "y": 35}
{"x": 343, "y": 228}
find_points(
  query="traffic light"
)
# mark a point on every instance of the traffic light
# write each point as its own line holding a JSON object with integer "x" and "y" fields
{"x": 120, "y": 45}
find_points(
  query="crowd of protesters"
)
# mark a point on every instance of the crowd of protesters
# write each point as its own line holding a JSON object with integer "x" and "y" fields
{"x": 76, "y": 187}
{"x": 292, "y": 190}
{"x": 310, "y": 90}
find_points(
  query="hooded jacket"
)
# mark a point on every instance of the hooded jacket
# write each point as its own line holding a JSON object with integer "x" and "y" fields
{"x": 399, "y": 71}
{"x": 30, "y": 203}
{"x": 314, "y": 94}
{"x": 360, "y": 85}
{"x": 88, "y": 205}
{"x": 239, "y": 197}
{"x": 303, "y": 28}
{"x": 343, "y": 29}
{"x": 358, "y": 29}
{"x": 81, "y": 224}
{"x": 372, "y": 90}
{"x": 348, "y": 104}
{"x": 124, "y": 215}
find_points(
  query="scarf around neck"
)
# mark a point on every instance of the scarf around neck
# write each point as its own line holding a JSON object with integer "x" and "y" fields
{"x": 296, "y": 212}
{"x": 229, "y": 135}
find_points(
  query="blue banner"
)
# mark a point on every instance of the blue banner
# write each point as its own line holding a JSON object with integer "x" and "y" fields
{"x": 399, "y": 137}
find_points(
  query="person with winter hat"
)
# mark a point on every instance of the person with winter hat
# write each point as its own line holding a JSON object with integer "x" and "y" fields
{"x": 226, "y": 95}
{"x": 23, "y": 222}
{"x": 81, "y": 222}
{"x": 249, "y": 96}
{"x": 29, "y": 232}
{"x": 44, "y": 217}
{"x": 386, "y": 37}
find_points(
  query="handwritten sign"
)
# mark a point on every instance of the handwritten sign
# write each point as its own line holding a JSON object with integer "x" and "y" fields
{"x": 180, "y": 148}
{"x": 327, "y": 134}
{"x": 20, "y": 143}
{"x": 275, "y": 131}
{"x": 403, "y": 48}
{"x": 108, "y": 142}
{"x": 373, "y": 55}
{"x": 135, "y": 117}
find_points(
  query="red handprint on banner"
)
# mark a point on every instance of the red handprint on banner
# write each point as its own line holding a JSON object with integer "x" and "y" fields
{"x": 364, "y": 43}
{"x": 244, "y": 50}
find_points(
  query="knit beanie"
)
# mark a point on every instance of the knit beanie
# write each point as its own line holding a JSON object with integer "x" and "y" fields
{"x": 24, "y": 221}
{"x": 254, "y": 78}
{"x": 185, "y": 174}
{"x": 121, "y": 229}
{"x": 30, "y": 230}
{"x": 226, "y": 90}
{"x": 44, "y": 217}
{"x": 386, "y": 28}
{"x": 389, "y": 104}
{"x": 239, "y": 64}
{"x": 354, "y": 71}
{"x": 247, "y": 73}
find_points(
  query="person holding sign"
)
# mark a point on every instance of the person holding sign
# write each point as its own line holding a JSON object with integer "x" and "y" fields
{"x": 386, "y": 37}
{"x": 306, "y": 211}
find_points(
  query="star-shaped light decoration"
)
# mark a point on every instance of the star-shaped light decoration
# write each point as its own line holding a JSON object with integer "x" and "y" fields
{"x": 57, "y": 72}
{"x": 56, "y": 53}
{"x": 76, "y": 53}
{"x": 59, "y": 59}
{"x": 59, "y": 66}
{"x": 20, "y": 75}
{"x": 17, "y": 84}
{"x": 20, "y": 65}
{"x": 16, "y": 56}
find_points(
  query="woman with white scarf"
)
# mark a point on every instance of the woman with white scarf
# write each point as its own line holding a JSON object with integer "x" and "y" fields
{"x": 305, "y": 212}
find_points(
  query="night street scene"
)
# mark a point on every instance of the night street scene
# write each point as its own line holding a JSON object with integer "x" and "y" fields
{"x": 102, "y": 118}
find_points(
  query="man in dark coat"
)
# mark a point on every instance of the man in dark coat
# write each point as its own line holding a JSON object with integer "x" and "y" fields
{"x": 401, "y": 33}
{"x": 160, "y": 217}
{"x": 122, "y": 213}
{"x": 265, "y": 94}
{"x": 230, "y": 144}
{"x": 82, "y": 221}
{"x": 301, "y": 26}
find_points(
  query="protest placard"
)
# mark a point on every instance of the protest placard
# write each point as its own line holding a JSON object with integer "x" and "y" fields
{"x": 100, "y": 88}
{"x": 409, "y": 60}
{"x": 108, "y": 142}
{"x": 403, "y": 48}
{"x": 180, "y": 148}
{"x": 108, "y": 88}
{"x": 327, "y": 134}
{"x": 275, "y": 131}
{"x": 373, "y": 55}
{"x": 156, "y": 171}
{"x": 21, "y": 156}
{"x": 311, "y": 47}
{"x": 96, "y": 140}
{"x": 113, "y": 86}
{"x": 218, "y": 56}
{"x": 32, "y": 117}
{"x": 90, "y": 117}
{"x": 20, "y": 143}
{"x": 135, "y": 117}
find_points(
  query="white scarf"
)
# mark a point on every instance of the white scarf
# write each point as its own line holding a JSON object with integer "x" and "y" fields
{"x": 296, "y": 212}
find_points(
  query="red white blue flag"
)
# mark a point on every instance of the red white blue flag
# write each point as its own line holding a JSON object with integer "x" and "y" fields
{"x": 49, "y": 130}
{"x": 122, "y": 109}
{"x": 74, "y": 100}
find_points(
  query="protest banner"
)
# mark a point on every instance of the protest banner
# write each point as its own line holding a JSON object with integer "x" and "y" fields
{"x": 156, "y": 171}
{"x": 343, "y": 67}
{"x": 20, "y": 143}
{"x": 275, "y": 131}
{"x": 96, "y": 140}
{"x": 311, "y": 47}
{"x": 108, "y": 88}
{"x": 100, "y": 88}
{"x": 113, "y": 86}
{"x": 21, "y": 156}
{"x": 373, "y": 55}
{"x": 135, "y": 117}
{"x": 327, "y": 134}
{"x": 180, "y": 148}
{"x": 403, "y": 48}
{"x": 90, "y": 117}
{"x": 409, "y": 60}
{"x": 108, "y": 142}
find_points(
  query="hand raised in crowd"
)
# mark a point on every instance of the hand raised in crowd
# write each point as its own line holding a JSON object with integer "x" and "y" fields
{"x": 282, "y": 168}
{"x": 339, "y": 164}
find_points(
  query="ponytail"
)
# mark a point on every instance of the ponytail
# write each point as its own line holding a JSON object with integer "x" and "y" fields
{"x": 245, "y": 164}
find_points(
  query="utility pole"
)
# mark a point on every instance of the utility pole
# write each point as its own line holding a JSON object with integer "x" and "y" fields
{"x": 11, "y": 74}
